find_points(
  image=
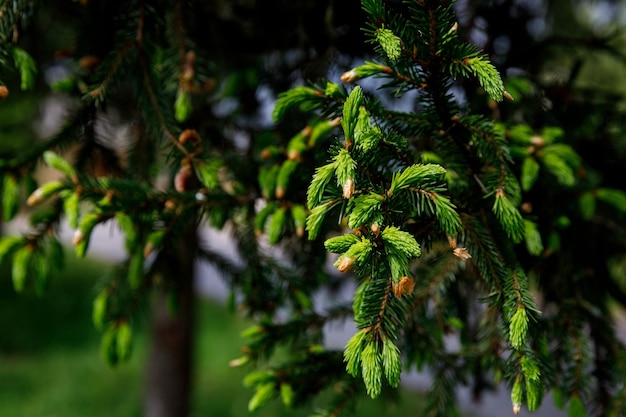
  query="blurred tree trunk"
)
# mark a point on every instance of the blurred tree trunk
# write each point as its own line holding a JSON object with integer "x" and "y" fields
{"x": 169, "y": 372}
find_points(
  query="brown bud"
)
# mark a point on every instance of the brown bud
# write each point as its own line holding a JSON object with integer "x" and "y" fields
{"x": 526, "y": 207}
{"x": 170, "y": 205}
{"x": 77, "y": 237}
{"x": 279, "y": 192}
{"x": 306, "y": 131}
{"x": 267, "y": 153}
{"x": 335, "y": 122}
{"x": 344, "y": 263}
{"x": 89, "y": 62}
{"x": 183, "y": 178}
{"x": 188, "y": 67}
{"x": 349, "y": 76}
{"x": 293, "y": 155}
{"x": 148, "y": 249}
{"x": 35, "y": 198}
{"x": 375, "y": 228}
{"x": 235, "y": 363}
{"x": 108, "y": 197}
{"x": 98, "y": 91}
{"x": 508, "y": 96}
{"x": 537, "y": 141}
{"x": 189, "y": 135}
{"x": 406, "y": 285}
{"x": 4, "y": 92}
{"x": 461, "y": 253}
{"x": 348, "y": 188}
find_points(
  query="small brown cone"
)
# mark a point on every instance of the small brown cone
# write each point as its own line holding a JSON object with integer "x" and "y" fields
{"x": 4, "y": 92}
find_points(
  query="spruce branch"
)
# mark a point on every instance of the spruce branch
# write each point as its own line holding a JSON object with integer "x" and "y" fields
{"x": 114, "y": 64}
{"x": 485, "y": 253}
{"x": 156, "y": 105}
{"x": 304, "y": 96}
{"x": 487, "y": 75}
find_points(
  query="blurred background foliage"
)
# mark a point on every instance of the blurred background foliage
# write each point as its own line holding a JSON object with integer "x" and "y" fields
{"x": 50, "y": 363}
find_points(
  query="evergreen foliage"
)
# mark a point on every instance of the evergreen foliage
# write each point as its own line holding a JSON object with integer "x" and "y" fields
{"x": 425, "y": 210}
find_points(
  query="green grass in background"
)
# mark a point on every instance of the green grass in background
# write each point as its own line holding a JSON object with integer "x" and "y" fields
{"x": 49, "y": 352}
{"x": 50, "y": 364}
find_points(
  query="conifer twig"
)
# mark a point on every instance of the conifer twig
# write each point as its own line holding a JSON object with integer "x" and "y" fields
{"x": 149, "y": 87}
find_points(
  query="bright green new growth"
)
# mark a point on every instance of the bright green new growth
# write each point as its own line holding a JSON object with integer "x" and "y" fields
{"x": 576, "y": 407}
{"x": 351, "y": 112}
{"x": 71, "y": 208}
{"x": 392, "y": 363}
{"x": 530, "y": 171}
{"x": 10, "y": 201}
{"x": 340, "y": 244}
{"x": 359, "y": 251}
{"x": 447, "y": 215}
{"x": 287, "y": 395}
{"x": 509, "y": 216}
{"x": 182, "y": 106}
{"x": 26, "y": 67}
{"x": 296, "y": 96}
{"x": 57, "y": 162}
{"x": 402, "y": 241}
{"x": 517, "y": 395}
{"x": 322, "y": 177}
{"x": 344, "y": 167}
{"x": 263, "y": 394}
{"x": 19, "y": 272}
{"x": 532, "y": 238}
{"x": 275, "y": 225}
{"x": 532, "y": 376}
{"x": 416, "y": 175}
{"x": 352, "y": 352}
{"x": 487, "y": 76}
{"x": 365, "y": 209}
{"x": 390, "y": 43}
{"x": 518, "y": 328}
{"x": 372, "y": 369}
